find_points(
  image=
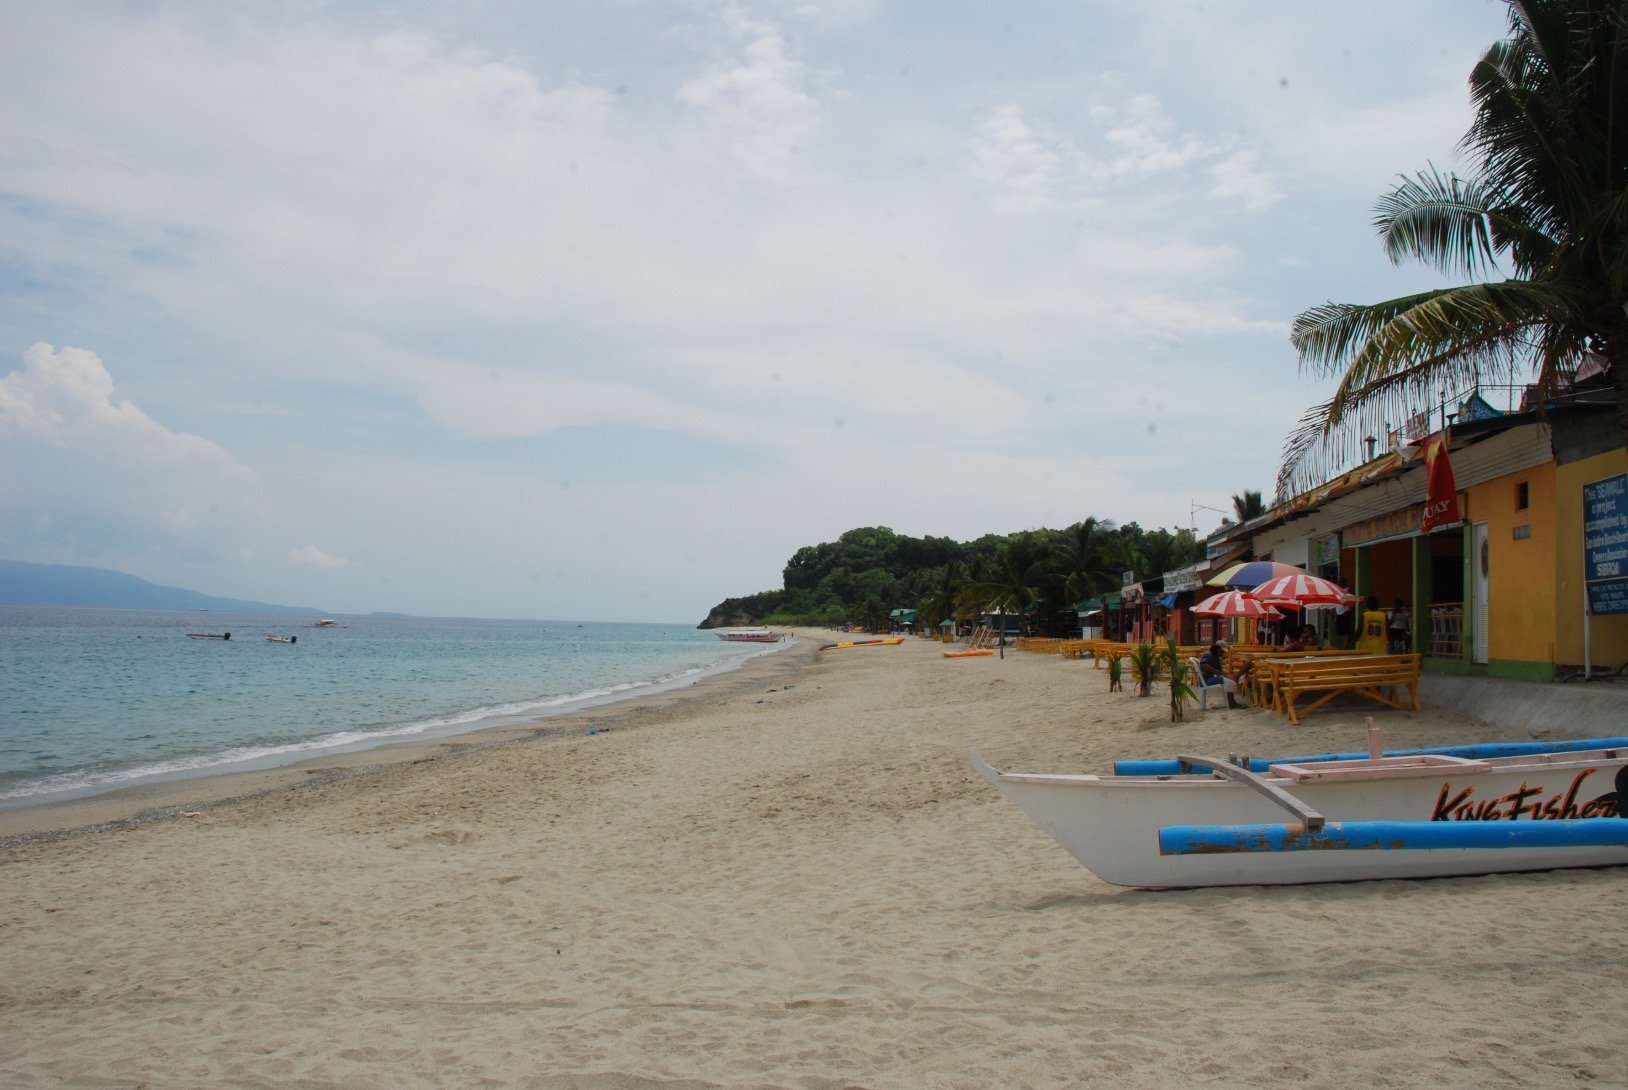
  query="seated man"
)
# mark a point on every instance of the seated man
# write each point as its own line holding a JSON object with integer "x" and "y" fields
{"x": 1304, "y": 640}
{"x": 1212, "y": 671}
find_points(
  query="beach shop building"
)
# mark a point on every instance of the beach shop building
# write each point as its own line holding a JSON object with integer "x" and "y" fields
{"x": 1529, "y": 580}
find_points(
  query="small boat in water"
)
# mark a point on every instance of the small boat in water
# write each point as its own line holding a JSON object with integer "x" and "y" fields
{"x": 750, "y": 635}
{"x": 1337, "y": 817}
{"x": 209, "y": 635}
{"x": 281, "y": 639}
{"x": 326, "y": 622}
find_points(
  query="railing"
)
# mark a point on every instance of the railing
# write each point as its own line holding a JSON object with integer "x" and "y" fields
{"x": 1520, "y": 397}
{"x": 1446, "y": 630}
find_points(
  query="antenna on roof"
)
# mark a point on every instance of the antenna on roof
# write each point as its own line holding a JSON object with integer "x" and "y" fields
{"x": 1194, "y": 507}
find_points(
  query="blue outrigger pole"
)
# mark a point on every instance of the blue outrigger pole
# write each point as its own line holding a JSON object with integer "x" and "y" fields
{"x": 1478, "y": 752}
{"x": 1392, "y": 836}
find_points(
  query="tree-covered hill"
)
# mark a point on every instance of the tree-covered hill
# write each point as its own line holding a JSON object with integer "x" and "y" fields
{"x": 870, "y": 571}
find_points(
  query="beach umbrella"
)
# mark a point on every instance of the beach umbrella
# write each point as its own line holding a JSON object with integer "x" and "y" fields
{"x": 1251, "y": 573}
{"x": 1234, "y": 603}
{"x": 1302, "y": 589}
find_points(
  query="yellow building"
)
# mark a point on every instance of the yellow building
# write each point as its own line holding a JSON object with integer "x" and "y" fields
{"x": 1502, "y": 593}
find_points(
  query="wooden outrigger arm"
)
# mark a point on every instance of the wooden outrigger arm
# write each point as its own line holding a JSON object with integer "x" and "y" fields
{"x": 1295, "y": 806}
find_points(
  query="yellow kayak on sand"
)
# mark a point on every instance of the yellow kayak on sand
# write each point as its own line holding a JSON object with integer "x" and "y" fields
{"x": 891, "y": 641}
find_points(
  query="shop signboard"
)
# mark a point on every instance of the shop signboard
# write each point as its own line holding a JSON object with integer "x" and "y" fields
{"x": 1182, "y": 579}
{"x": 1403, "y": 523}
{"x": 1605, "y": 544}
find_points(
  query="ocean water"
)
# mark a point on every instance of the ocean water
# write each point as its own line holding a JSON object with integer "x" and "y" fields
{"x": 94, "y": 699}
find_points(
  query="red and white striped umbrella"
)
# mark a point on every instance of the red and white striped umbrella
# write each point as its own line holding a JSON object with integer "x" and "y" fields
{"x": 1234, "y": 603}
{"x": 1302, "y": 589}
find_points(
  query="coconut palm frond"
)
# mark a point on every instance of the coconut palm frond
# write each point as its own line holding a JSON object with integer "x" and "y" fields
{"x": 1548, "y": 191}
{"x": 1524, "y": 155}
{"x": 1442, "y": 220}
{"x": 1449, "y": 334}
{"x": 1365, "y": 342}
{"x": 1328, "y": 335}
{"x": 1606, "y": 237}
{"x": 1407, "y": 355}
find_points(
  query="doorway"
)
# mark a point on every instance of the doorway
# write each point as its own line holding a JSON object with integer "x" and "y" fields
{"x": 1478, "y": 557}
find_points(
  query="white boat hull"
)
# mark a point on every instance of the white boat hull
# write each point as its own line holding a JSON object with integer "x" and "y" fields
{"x": 750, "y": 635}
{"x": 1111, "y": 824}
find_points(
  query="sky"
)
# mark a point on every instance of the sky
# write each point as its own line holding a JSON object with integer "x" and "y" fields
{"x": 601, "y": 310}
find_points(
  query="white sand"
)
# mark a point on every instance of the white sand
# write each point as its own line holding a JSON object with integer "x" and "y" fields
{"x": 785, "y": 877}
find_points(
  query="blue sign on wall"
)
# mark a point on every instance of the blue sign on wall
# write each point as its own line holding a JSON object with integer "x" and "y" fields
{"x": 1605, "y": 544}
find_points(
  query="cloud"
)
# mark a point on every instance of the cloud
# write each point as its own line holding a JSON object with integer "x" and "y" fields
{"x": 93, "y": 473}
{"x": 312, "y": 557}
{"x": 757, "y": 104}
{"x": 1128, "y": 143}
{"x": 426, "y": 264}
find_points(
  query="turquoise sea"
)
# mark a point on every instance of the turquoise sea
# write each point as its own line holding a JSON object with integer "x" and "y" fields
{"x": 96, "y": 699}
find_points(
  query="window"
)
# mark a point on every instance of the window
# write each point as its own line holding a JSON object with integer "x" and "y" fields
{"x": 1523, "y": 496}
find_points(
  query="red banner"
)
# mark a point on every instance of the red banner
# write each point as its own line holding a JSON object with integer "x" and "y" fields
{"x": 1441, "y": 494}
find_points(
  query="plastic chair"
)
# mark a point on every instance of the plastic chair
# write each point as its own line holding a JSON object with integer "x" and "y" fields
{"x": 1227, "y": 686}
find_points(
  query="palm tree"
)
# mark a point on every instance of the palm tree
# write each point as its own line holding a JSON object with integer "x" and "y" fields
{"x": 1013, "y": 580}
{"x": 871, "y": 613}
{"x": 1089, "y": 558}
{"x": 1548, "y": 196}
{"x": 1249, "y": 505}
{"x": 939, "y": 602}
{"x": 1161, "y": 550}
{"x": 1181, "y": 686}
{"x": 1144, "y": 659}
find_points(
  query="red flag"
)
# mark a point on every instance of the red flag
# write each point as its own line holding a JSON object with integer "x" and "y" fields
{"x": 1441, "y": 494}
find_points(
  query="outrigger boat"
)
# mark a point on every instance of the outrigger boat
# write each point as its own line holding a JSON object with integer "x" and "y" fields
{"x": 209, "y": 635}
{"x": 750, "y": 635}
{"x": 1337, "y": 817}
{"x": 281, "y": 639}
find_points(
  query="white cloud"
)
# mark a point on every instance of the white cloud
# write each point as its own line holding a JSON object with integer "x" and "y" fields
{"x": 405, "y": 255}
{"x": 93, "y": 473}
{"x": 312, "y": 557}
{"x": 1029, "y": 166}
{"x": 1033, "y": 165}
{"x": 758, "y": 103}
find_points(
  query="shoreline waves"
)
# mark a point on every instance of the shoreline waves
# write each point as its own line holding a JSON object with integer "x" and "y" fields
{"x": 787, "y": 876}
{"x": 113, "y": 700}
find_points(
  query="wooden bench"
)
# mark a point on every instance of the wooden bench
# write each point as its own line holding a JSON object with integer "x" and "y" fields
{"x": 1104, "y": 650}
{"x": 1239, "y": 654}
{"x": 1261, "y": 681}
{"x": 1375, "y": 677}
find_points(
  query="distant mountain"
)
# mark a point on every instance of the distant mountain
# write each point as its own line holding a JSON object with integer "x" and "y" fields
{"x": 27, "y": 584}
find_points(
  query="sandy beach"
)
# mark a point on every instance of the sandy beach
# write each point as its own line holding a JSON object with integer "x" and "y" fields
{"x": 783, "y": 877}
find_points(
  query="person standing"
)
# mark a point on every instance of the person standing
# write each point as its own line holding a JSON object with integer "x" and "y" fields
{"x": 1371, "y": 628}
{"x": 1400, "y": 629}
